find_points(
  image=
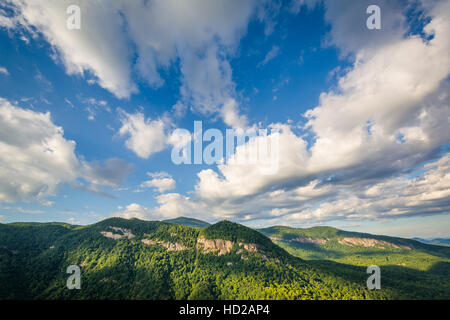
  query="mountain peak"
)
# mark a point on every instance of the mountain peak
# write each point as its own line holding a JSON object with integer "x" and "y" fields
{"x": 188, "y": 222}
{"x": 239, "y": 234}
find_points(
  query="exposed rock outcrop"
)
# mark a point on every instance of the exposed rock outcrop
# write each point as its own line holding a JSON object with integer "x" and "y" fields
{"x": 170, "y": 246}
{"x": 125, "y": 233}
{"x": 250, "y": 247}
{"x": 318, "y": 241}
{"x": 221, "y": 246}
{"x": 369, "y": 242}
{"x": 148, "y": 242}
{"x": 347, "y": 241}
{"x": 218, "y": 246}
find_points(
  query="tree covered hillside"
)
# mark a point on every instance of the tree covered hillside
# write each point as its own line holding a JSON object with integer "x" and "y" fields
{"x": 134, "y": 259}
{"x": 403, "y": 261}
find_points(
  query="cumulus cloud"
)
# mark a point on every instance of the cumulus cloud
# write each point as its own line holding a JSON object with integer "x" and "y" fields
{"x": 385, "y": 96}
{"x": 392, "y": 198}
{"x": 35, "y": 158}
{"x": 389, "y": 113}
{"x": 4, "y": 71}
{"x": 399, "y": 91}
{"x": 145, "y": 136}
{"x": 170, "y": 205}
{"x": 348, "y": 24}
{"x": 319, "y": 201}
{"x": 231, "y": 116}
{"x": 200, "y": 35}
{"x": 97, "y": 48}
{"x": 135, "y": 210}
{"x": 208, "y": 87}
{"x": 162, "y": 181}
{"x": 34, "y": 155}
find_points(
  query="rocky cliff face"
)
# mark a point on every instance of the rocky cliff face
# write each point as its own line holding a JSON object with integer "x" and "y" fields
{"x": 347, "y": 241}
{"x": 221, "y": 246}
{"x": 171, "y": 246}
{"x": 120, "y": 233}
{"x": 214, "y": 245}
{"x": 310, "y": 240}
{"x": 250, "y": 247}
{"x": 368, "y": 242}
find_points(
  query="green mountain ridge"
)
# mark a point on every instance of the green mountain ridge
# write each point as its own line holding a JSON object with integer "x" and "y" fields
{"x": 327, "y": 243}
{"x": 434, "y": 241}
{"x": 135, "y": 259}
{"x": 189, "y": 222}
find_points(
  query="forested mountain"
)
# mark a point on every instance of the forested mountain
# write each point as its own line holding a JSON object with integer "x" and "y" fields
{"x": 134, "y": 259}
{"x": 189, "y": 222}
{"x": 327, "y": 243}
{"x": 435, "y": 241}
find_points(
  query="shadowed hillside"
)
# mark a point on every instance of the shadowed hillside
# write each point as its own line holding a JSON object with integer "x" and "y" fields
{"x": 134, "y": 259}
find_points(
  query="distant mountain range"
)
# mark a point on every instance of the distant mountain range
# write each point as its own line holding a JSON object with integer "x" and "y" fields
{"x": 435, "y": 241}
{"x": 186, "y": 258}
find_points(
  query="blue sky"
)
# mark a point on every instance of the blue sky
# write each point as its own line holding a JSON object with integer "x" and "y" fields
{"x": 89, "y": 115}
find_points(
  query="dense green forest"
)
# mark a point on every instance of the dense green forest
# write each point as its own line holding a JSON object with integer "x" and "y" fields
{"x": 134, "y": 259}
{"x": 326, "y": 243}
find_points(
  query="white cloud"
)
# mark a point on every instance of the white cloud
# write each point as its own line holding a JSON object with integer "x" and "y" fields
{"x": 391, "y": 198}
{"x": 21, "y": 210}
{"x": 73, "y": 221}
{"x": 35, "y": 158}
{"x": 145, "y": 136}
{"x": 207, "y": 86}
{"x": 318, "y": 201}
{"x": 201, "y": 35}
{"x": 34, "y": 155}
{"x": 388, "y": 114}
{"x": 4, "y": 71}
{"x": 160, "y": 180}
{"x": 271, "y": 55}
{"x": 239, "y": 179}
{"x": 296, "y": 5}
{"x": 6, "y": 20}
{"x": 93, "y": 106}
{"x": 393, "y": 90}
{"x": 267, "y": 12}
{"x": 231, "y": 116}
{"x": 388, "y": 93}
{"x": 135, "y": 210}
{"x": 348, "y": 24}
{"x": 170, "y": 205}
{"x": 100, "y": 47}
